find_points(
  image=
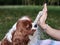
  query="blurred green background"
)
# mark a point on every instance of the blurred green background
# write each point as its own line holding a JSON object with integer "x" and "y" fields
{"x": 10, "y": 14}
{"x": 12, "y": 10}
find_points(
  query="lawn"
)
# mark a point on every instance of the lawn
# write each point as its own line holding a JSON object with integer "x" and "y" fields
{"x": 10, "y": 14}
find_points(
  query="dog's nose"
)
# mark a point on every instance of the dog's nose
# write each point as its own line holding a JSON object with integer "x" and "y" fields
{"x": 35, "y": 25}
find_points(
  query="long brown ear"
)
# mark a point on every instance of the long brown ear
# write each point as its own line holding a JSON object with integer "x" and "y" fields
{"x": 19, "y": 24}
{"x": 13, "y": 35}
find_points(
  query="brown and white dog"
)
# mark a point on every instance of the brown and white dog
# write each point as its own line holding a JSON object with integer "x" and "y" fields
{"x": 36, "y": 35}
{"x": 21, "y": 35}
{"x": 23, "y": 30}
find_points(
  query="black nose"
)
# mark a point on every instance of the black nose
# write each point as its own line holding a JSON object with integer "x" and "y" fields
{"x": 35, "y": 25}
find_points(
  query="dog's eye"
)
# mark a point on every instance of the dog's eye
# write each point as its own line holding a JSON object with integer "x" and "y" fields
{"x": 35, "y": 25}
{"x": 29, "y": 27}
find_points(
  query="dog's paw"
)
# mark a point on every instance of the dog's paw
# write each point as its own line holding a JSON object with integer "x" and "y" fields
{"x": 40, "y": 13}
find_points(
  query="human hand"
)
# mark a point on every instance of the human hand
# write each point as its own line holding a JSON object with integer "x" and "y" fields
{"x": 41, "y": 21}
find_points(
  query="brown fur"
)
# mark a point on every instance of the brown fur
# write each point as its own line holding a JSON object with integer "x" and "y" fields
{"x": 5, "y": 42}
{"x": 23, "y": 30}
{"x": 20, "y": 36}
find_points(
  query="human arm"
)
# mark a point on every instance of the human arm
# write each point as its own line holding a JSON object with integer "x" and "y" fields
{"x": 49, "y": 30}
{"x": 55, "y": 33}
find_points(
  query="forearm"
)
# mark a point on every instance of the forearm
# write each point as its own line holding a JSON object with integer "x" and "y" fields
{"x": 53, "y": 32}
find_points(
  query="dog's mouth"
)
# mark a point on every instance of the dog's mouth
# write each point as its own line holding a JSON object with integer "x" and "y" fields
{"x": 32, "y": 32}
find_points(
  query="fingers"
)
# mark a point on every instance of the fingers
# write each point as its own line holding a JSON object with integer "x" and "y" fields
{"x": 45, "y": 7}
{"x": 44, "y": 15}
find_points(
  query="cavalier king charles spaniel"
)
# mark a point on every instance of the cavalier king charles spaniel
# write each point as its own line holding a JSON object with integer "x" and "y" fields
{"x": 23, "y": 30}
{"x": 21, "y": 35}
{"x": 36, "y": 35}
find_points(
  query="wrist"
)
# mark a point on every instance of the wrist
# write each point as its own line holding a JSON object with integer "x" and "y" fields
{"x": 44, "y": 26}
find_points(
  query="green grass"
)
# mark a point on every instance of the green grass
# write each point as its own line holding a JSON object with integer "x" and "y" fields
{"x": 10, "y": 14}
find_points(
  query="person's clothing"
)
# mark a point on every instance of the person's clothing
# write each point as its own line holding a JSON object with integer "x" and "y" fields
{"x": 48, "y": 42}
{"x": 40, "y": 30}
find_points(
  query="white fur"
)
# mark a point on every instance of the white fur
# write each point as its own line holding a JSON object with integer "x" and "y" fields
{"x": 33, "y": 38}
{"x": 36, "y": 36}
{"x": 24, "y": 18}
{"x": 9, "y": 34}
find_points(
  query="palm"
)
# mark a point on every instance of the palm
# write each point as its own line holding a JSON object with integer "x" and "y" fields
{"x": 44, "y": 16}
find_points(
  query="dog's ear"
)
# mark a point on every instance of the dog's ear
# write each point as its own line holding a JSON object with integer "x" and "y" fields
{"x": 19, "y": 24}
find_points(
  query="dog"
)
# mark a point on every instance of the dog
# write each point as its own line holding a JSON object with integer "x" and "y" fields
{"x": 23, "y": 30}
{"x": 36, "y": 35}
{"x": 21, "y": 35}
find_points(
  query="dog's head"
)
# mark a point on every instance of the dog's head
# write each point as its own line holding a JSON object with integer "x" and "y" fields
{"x": 25, "y": 24}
